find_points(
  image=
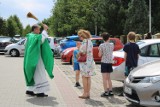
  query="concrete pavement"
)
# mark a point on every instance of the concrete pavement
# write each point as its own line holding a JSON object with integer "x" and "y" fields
{"x": 62, "y": 94}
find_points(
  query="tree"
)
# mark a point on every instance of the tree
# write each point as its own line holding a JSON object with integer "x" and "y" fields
{"x": 112, "y": 16}
{"x": 3, "y": 27}
{"x": 137, "y": 17}
{"x": 70, "y": 15}
{"x": 12, "y": 27}
{"x": 26, "y": 30}
{"x": 19, "y": 24}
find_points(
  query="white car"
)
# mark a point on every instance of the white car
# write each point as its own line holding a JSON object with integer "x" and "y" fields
{"x": 142, "y": 86}
{"x": 150, "y": 50}
{"x": 17, "y": 49}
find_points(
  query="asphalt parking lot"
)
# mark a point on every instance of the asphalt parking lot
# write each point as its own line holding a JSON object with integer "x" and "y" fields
{"x": 62, "y": 93}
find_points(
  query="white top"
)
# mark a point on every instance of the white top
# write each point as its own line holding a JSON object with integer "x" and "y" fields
{"x": 45, "y": 34}
{"x": 106, "y": 49}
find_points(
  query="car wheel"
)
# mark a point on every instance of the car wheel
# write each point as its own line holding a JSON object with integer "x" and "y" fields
{"x": 14, "y": 53}
{"x": 70, "y": 60}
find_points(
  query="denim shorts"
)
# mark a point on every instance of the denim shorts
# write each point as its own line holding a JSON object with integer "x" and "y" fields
{"x": 76, "y": 66}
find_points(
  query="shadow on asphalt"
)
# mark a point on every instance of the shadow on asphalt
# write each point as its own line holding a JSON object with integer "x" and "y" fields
{"x": 114, "y": 100}
{"x": 66, "y": 64}
{"x": 94, "y": 103}
{"x": 47, "y": 101}
{"x": 117, "y": 90}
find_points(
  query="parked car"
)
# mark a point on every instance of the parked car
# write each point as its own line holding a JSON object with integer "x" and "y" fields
{"x": 4, "y": 41}
{"x": 51, "y": 41}
{"x": 57, "y": 49}
{"x": 142, "y": 86}
{"x": 66, "y": 55}
{"x": 17, "y": 49}
{"x": 70, "y": 41}
{"x": 150, "y": 50}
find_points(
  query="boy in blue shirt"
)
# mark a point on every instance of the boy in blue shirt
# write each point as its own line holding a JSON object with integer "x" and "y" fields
{"x": 76, "y": 64}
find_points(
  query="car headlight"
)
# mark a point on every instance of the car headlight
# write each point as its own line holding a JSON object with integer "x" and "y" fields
{"x": 66, "y": 52}
{"x": 150, "y": 79}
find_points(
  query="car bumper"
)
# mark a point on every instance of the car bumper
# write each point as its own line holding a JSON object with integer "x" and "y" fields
{"x": 118, "y": 72}
{"x": 142, "y": 93}
{"x": 6, "y": 52}
{"x": 3, "y": 50}
{"x": 65, "y": 58}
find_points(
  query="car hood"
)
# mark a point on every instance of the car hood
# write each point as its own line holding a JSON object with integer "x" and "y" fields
{"x": 149, "y": 69}
{"x": 119, "y": 53}
{"x": 11, "y": 45}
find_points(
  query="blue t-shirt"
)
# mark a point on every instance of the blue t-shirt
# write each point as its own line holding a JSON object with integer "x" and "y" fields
{"x": 75, "y": 52}
{"x": 132, "y": 50}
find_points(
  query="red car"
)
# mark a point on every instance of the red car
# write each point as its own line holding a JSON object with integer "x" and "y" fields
{"x": 66, "y": 55}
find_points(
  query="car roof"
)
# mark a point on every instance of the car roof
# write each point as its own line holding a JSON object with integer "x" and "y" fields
{"x": 150, "y": 41}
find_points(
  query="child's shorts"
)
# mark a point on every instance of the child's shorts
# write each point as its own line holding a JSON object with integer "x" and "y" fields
{"x": 106, "y": 68}
{"x": 76, "y": 66}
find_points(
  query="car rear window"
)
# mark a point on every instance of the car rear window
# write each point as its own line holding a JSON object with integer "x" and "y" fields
{"x": 5, "y": 39}
{"x": 139, "y": 42}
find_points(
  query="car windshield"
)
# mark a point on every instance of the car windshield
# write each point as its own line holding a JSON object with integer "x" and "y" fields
{"x": 21, "y": 41}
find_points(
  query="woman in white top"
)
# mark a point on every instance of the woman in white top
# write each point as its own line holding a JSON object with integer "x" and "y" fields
{"x": 86, "y": 68}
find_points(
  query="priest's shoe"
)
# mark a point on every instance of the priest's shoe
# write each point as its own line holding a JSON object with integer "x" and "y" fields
{"x": 41, "y": 95}
{"x": 31, "y": 93}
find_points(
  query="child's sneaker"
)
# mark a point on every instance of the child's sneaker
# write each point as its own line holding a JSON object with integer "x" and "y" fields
{"x": 105, "y": 94}
{"x": 77, "y": 84}
{"x": 111, "y": 93}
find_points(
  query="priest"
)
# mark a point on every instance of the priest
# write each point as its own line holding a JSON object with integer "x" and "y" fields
{"x": 38, "y": 60}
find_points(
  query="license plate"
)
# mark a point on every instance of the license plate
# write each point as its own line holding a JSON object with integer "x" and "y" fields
{"x": 128, "y": 90}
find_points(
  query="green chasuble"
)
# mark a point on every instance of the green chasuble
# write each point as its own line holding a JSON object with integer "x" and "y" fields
{"x": 33, "y": 47}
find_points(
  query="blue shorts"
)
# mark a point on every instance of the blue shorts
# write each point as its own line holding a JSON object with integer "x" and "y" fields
{"x": 76, "y": 66}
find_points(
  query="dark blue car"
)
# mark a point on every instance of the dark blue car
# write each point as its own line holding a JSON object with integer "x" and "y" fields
{"x": 70, "y": 41}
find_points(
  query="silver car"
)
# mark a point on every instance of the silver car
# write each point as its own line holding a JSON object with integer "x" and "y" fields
{"x": 142, "y": 86}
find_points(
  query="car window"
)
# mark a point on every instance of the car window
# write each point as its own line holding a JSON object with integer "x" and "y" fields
{"x": 112, "y": 41}
{"x": 159, "y": 47}
{"x": 5, "y": 39}
{"x": 76, "y": 39}
{"x": 97, "y": 42}
{"x": 144, "y": 51}
{"x": 154, "y": 51}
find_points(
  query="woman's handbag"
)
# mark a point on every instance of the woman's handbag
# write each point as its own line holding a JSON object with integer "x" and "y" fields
{"x": 83, "y": 56}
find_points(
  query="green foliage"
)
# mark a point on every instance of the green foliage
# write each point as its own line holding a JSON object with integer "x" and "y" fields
{"x": 137, "y": 17}
{"x": 3, "y": 27}
{"x": 117, "y": 17}
{"x": 26, "y": 30}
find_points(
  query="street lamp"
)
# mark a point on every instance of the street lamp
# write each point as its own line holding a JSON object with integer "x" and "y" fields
{"x": 150, "y": 20}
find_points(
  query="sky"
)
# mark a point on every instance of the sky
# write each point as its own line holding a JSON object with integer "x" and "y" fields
{"x": 40, "y": 8}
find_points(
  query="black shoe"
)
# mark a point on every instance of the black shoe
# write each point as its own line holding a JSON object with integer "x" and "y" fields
{"x": 77, "y": 84}
{"x": 105, "y": 94}
{"x": 31, "y": 93}
{"x": 111, "y": 93}
{"x": 41, "y": 95}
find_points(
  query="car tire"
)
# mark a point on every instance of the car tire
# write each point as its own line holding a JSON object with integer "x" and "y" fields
{"x": 14, "y": 53}
{"x": 70, "y": 62}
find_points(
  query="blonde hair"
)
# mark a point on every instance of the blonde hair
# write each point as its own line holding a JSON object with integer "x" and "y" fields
{"x": 131, "y": 35}
{"x": 84, "y": 33}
